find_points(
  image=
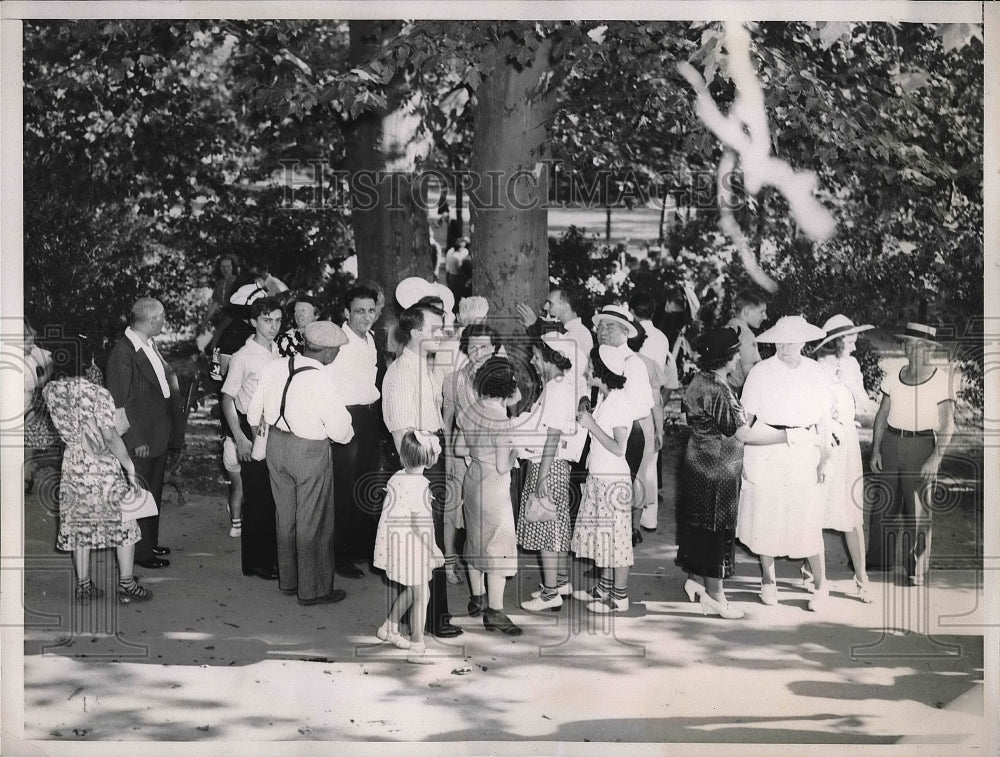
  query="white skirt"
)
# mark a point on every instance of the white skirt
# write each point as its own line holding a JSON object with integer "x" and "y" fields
{"x": 781, "y": 504}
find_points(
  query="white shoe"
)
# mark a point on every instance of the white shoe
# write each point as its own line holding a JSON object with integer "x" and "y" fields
{"x": 608, "y": 605}
{"x": 594, "y": 594}
{"x": 820, "y": 599}
{"x": 692, "y": 588}
{"x": 537, "y": 604}
{"x": 418, "y": 655}
{"x": 769, "y": 594}
{"x": 393, "y": 637}
{"x": 235, "y": 531}
{"x": 566, "y": 590}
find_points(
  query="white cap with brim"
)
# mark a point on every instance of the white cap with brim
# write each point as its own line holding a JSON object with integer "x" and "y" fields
{"x": 411, "y": 290}
{"x": 840, "y": 325}
{"x": 792, "y": 329}
{"x": 613, "y": 358}
{"x": 247, "y": 294}
{"x": 561, "y": 344}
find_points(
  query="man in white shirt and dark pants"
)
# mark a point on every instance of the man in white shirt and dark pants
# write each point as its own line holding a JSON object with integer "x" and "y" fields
{"x": 356, "y": 502}
{"x": 305, "y": 414}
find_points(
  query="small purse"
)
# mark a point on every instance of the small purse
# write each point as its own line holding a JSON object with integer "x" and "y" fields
{"x": 138, "y": 503}
{"x": 539, "y": 510}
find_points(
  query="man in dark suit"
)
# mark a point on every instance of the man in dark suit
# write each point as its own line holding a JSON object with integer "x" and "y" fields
{"x": 146, "y": 391}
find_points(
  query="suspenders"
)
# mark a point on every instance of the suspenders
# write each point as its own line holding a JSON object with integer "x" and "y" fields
{"x": 292, "y": 371}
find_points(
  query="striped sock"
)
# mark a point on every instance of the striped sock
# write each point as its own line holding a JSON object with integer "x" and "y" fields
{"x": 605, "y": 583}
{"x": 451, "y": 560}
{"x": 621, "y": 593}
{"x": 562, "y": 578}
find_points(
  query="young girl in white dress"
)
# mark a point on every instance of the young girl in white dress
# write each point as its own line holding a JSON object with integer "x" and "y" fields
{"x": 404, "y": 544}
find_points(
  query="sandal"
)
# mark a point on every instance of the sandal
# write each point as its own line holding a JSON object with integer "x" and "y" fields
{"x": 133, "y": 592}
{"x": 86, "y": 592}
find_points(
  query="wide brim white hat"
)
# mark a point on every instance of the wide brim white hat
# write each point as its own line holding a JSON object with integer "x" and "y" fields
{"x": 561, "y": 344}
{"x": 445, "y": 294}
{"x": 617, "y": 314}
{"x": 613, "y": 358}
{"x": 840, "y": 325}
{"x": 791, "y": 329}
{"x": 411, "y": 290}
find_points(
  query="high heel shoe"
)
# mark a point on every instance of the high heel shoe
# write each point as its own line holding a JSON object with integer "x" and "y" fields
{"x": 710, "y": 606}
{"x": 692, "y": 588}
{"x": 865, "y": 593}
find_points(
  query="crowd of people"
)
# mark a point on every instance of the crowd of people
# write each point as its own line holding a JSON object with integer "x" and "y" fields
{"x": 437, "y": 452}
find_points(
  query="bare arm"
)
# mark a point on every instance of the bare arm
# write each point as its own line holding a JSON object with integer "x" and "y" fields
{"x": 760, "y": 434}
{"x": 548, "y": 455}
{"x": 616, "y": 444}
{"x": 117, "y": 447}
{"x": 881, "y": 422}
{"x": 243, "y": 445}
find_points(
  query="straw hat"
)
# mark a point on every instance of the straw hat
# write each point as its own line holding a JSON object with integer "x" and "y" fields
{"x": 840, "y": 325}
{"x": 792, "y": 329}
{"x": 920, "y": 331}
{"x": 617, "y": 314}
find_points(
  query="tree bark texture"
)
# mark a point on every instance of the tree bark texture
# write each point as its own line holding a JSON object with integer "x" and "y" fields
{"x": 509, "y": 218}
{"x": 389, "y": 211}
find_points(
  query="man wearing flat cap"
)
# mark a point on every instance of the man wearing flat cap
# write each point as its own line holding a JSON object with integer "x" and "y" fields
{"x": 305, "y": 413}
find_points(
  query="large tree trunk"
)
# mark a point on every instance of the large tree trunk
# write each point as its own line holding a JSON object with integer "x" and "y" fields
{"x": 391, "y": 229}
{"x": 510, "y": 221}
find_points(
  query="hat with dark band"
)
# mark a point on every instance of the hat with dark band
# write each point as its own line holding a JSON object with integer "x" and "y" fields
{"x": 919, "y": 331}
{"x": 840, "y": 325}
{"x": 617, "y": 314}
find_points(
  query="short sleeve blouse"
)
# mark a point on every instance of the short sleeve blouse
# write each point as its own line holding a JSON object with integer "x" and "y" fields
{"x": 555, "y": 408}
{"x": 612, "y": 412}
{"x": 780, "y": 395}
{"x": 914, "y": 407}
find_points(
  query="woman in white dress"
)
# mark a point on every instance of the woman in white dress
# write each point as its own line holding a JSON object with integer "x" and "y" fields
{"x": 781, "y": 505}
{"x": 843, "y": 489}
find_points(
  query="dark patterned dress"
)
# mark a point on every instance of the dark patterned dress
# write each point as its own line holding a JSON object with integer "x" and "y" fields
{"x": 710, "y": 478}
{"x": 93, "y": 483}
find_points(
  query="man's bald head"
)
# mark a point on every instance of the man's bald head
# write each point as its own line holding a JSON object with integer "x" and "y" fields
{"x": 148, "y": 316}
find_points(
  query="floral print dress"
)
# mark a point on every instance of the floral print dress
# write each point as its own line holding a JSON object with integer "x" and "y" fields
{"x": 93, "y": 482}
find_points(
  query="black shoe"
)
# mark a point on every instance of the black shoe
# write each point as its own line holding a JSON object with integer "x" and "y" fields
{"x": 648, "y": 530}
{"x": 160, "y": 551}
{"x": 477, "y": 604}
{"x": 446, "y": 630}
{"x": 293, "y": 590}
{"x": 153, "y": 563}
{"x": 268, "y": 574}
{"x": 334, "y": 596}
{"x": 497, "y": 620}
{"x": 349, "y": 571}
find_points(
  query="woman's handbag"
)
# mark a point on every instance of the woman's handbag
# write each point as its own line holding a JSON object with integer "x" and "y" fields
{"x": 138, "y": 503}
{"x": 539, "y": 509}
{"x": 259, "y": 451}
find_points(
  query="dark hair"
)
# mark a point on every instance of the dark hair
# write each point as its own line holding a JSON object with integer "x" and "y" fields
{"x": 262, "y": 306}
{"x": 713, "y": 362}
{"x": 496, "y": 378}
{"x": 359, "y": 292}
{"x": 413, "y": 318}
{"x": 412, "y": 453}
{"x": 833, "y": 347}
{"x": 576, "y": 300}
{"x": 304, "y": 297}
{"x": 478, "y": 329}
{"x": 643, "y": 306}
{"x": 603, "y": 373}
{"x": 373, "y": 285}
{"x": 550, "y": 355}
{"x": 432, "y": 301}
{"x": 748, "y": 298}
{"x": 636, "y": 342}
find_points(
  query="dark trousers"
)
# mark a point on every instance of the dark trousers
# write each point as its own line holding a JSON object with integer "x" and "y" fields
{"x": 633, "y": 449}
{"x": 149, "y": 473}
{"x": 901, "y": 505}
{"x": 259, "y": 539}
{"x": 357, "y": 503}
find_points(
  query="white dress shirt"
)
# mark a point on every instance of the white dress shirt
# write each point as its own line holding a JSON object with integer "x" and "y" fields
{"x": 313, "y": 408}
{"x": 146, "y": 345}
{"x": 656, "y": 346}
{"x": 584, "y": 340}
{"x": 354, "y": 369}
{"x": 637, "y": 388}
{"x": 244, "y": 371}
